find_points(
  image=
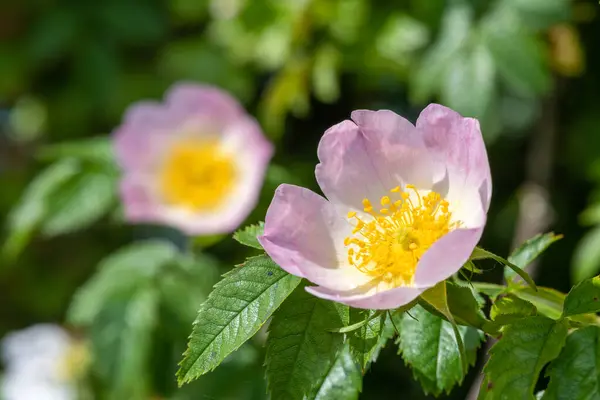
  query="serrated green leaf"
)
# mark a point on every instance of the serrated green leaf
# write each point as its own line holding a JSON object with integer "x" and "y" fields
{"x": 437, "y": 298}
{"x": 29, "y": 212}
{"x": 574, "y": 374}
{"x": 518, "y": 357}
{"x": 119, "y": 274}
{"x": 529, "y": 251}
{"x": 583, "y": 298}
{"x": 549, "y": 302}
{"x": 235, "y": 310}
{"x": 81, "y": 201}
{"x": 586, "y": 258}
{"x": 510, "y": 308}
{"x": 365, "y": 341}
{"x": 343, "y": 381}
{"x": 464, "y": 306}
{"x": 248, "y": 235}
{"x": 301, "y": 349}
{"x": 428, "y": 344}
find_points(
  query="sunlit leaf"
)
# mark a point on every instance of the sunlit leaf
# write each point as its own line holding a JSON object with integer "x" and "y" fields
{"x": 586, "y": 258}
{"x": 247, "y": 236}
{"x": 428, "y": 344}
{"x": 583, "y": 298}
{"x": 529, "y": 251}
{"x": 574, "y": 374}
{"x": 301, "y": 349}
{"x": 510, "y": 308}
{"x": 235, "y": 310}
{"x": 517, "y": 359}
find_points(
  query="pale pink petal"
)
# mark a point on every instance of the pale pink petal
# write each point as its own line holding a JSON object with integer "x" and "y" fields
{"x": 346, "y": 173}
{"x": 139, "y": 203}
{"x": 384, "y": 300}
{"x": 395, "y": 148}
{"x": 446, "y": 256}
{"x": 304, "y": 235}
{"x": 457, "y": 142}
{"x": 191, "y": 99}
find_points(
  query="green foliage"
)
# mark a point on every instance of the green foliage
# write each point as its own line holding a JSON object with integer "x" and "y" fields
{"x": 366, "y": 341}
{"x": 70, "y": 194}
{"x": 527, "y": 252}
{"x": 510, "y": 308}
{"x": 586, "y": 260}
{"x": 574, "y": 374}
{"x": 583, "y": 298}
{"x": 235, "y": 310}
{"x": 428, "y": 344}
{"x": 517, "y": 359}
{"x": 464, "y": 306}
{"x": 248, "y": 235}
{"x": 479, "y": 254}
{"x": 303, "y": 355}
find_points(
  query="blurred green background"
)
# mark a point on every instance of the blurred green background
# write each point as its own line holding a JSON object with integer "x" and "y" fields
{"x": 527, "y": 69}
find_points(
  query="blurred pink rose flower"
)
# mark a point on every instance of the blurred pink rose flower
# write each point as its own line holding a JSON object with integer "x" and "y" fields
{"x": 406, "y": 205}
{"x": 195, "y": 162}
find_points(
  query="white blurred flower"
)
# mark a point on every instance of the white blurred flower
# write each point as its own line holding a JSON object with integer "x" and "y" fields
{"x": 36, "y": 364}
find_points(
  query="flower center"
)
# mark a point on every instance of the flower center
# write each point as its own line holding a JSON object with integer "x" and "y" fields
{"x": 197, "y": 175}
{"x": 389, "y": 244}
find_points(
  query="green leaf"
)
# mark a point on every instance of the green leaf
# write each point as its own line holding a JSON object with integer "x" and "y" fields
{"x": 549, "y": 302}
{"x": 479, "y": 254}
{"x": 248, "y": 235}
{"x": 529, "y": 251}
{"x": 97, "y": 150}
{"x": 29, "y": 212}
{"x": 236, "y": 309}
{"x": 81, "y": 201}
{"x": 541, "y": 13}
{"x": 464, "y": 306}
{"x": 583, "y": 298}
{"x": 428, "y": 344}
{"x": 574, "y": 374}
{"x": 518, "y": 55}
{"x": 586, "y": 259}
{"x": 454, "y": 31}
{"x": 301, "y": 349}
{"x": 510, "y": 308}
{"x": 122, "y": 342}
{"x": 118, "y": 275}
{"x": 365, "y": 341}
{"x": 437, "y": 297}
{"x": 326, "y": 64}
{"x": 343, "y": 381}
{"x": 518, "y": 357}
{"x": 469, "y": 82}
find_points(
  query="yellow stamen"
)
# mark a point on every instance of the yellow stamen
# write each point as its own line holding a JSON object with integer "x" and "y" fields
{"x": 389, "y": 243}
{"x": 197, "y": 175}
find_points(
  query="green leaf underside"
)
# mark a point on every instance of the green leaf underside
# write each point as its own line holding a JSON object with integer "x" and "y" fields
{"x": 576, "y": 372}
{"x": 428, "y": 344}
{"x": 235, "y": 310}
{"x": 518, "y": 357}
{"x": 301, "y": 349}
{"x": 366, "y": 341}
{"x": 464, "y": 306}
{"x": 529, "y": 251}
{"x": 583, "y": 298}
{"x": 248, "y": 235}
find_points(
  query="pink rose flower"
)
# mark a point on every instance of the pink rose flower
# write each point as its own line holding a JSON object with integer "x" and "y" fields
{"x": 406, "y": 205}
{"x": 195, "y": 162}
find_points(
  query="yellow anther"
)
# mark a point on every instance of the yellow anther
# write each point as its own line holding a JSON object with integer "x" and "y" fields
{"x": 389, "y": 243}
